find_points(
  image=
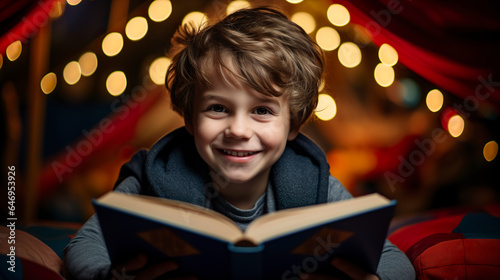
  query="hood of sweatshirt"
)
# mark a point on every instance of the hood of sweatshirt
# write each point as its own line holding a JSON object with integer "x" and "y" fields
{"x": 173, "y": 169}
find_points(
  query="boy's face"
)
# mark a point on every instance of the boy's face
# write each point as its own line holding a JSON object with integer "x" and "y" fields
{"x": 239, "y": 132}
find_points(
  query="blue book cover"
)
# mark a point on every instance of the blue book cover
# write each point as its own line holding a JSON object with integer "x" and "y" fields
{"x": 279, "y": 245}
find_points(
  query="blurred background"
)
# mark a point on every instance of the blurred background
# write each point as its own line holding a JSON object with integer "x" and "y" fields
{"x": 409, "y": 106}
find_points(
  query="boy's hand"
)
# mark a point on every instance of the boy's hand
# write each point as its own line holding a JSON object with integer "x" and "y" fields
{"x": 137, "y": 269}
{"x": 353, "y": 271}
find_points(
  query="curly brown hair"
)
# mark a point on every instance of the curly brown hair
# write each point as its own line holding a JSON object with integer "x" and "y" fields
{"x": 273, "y": 55}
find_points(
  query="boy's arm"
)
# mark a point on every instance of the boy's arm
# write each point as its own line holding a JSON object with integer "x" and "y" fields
{"x": 86, "y": 255}
{"x": 393, "y": 263}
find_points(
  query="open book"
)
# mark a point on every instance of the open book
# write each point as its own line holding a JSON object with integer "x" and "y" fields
{"x": 282, "y": 244}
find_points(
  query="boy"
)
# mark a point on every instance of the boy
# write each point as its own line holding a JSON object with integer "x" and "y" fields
{"x": 244, "y": 87}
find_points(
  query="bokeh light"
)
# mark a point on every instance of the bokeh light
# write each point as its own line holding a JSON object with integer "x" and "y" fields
{"x": 112, "y": 44}
{"x": 158, "y": 70}
{"x": 160, "y": 10}
{"x": 48, "y": 83}
{"x": 116, "y": 83}
{"x": 456, "y": 125}
{"x": 88, "y": 63}
{"x": 14, "y": 50}
{"x": 136, "y": 28}
{"x": 73, "y": 2}
{"x": 434, "y": 100}
{"x": 294, "y": 1}
{"x": 72, "y": 73}
{"x": 384, "y": 75}
{"x": 490, "y": 150}
{"x": 237, "y": 5}
{"x": 338, "y": 15}
{"x": 349, "y": 55}
{"x": 326, "y": 108}
{"x": 195, "y": 18}
{"x": 304, "y": 20}
{"x": 388, "y": 55}
{"x": 328, "y": 38}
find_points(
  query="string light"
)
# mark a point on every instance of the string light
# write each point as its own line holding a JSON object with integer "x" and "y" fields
{"x": 326, "y": 108}
{"x": 136, "y": 28}
{"x": 14, "y": 50}
{"x": 159, "y": 10}
{"x": 158, "y": 70}
{"x": 434, "y": 100}
{"x": 328, "y": 38}
{"x": 490, "y": 151}
{"x": 72, "y": 73}
{"x": 116, "y": 83}
{"x": 338, "y": 15}
{"x": 195, "y": 18}
{"x": 112, "y": 44}
{"x": 237, "y": 5}
{"x": 349, "y": 55}
{"x": 304, "y": 20}
{"x": 456, "y": 125}
{"x": 88, "y": 63}
{"x": 48, "y": 83}
{"x": 73, "y": 2}
{"x": 388, "y": 55}
{"x": 384, "y": 75}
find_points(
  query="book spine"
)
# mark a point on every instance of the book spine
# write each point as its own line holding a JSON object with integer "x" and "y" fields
{"x": 246, "y": 262}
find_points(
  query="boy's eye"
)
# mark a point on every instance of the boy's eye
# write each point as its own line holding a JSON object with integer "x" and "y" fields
{"x": 217, "y": 108}
{"x": 262, "y": 111}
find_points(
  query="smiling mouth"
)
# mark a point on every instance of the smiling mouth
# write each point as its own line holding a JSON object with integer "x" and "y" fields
{"x": 238, "y": 153}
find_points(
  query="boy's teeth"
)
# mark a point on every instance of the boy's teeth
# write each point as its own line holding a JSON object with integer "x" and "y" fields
{"x": 238, "y": 154}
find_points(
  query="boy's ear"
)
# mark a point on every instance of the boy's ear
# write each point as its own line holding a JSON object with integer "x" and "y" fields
{"x": 293, "y": 133}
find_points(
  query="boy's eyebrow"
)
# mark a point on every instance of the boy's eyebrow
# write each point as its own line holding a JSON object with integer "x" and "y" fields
{"x": 207, "y": 97}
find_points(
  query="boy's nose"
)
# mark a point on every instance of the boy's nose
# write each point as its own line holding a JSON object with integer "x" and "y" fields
{"x": 238, "y": 128}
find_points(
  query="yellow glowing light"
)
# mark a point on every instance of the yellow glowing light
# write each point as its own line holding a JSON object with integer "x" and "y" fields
{"x": 136, "y": 28}
{"x": 73, "y": 2}
{"x": 116, "y": 83}
{"x": 388, "y": 55}
{"x": 158, "y": 70}
{"x": 195, "y": 18}
{"x": 237, "y": 5}
{"x": 490, "y": 150}
{"x": 304, "y": 20}
{"x": 14, "y": 50}
{"x": 328, "y": 38}
{"x": 384, "y": 75}
{"x": 434, "y": 100}
{"x": 160, "y": 10}
{"x": 456, "y": 125}
{"x": 57, "y": 9}
{"x": 294, "y": 1}
{"x": 338, "y": 15}
{"x": 349, "y": 55}
{"x": 48, "y": 83}
{"x": 326, "y": 108}
{"x": 88, "y": 63}
{"x": 72, "y": 73}
{"x": 1, "y": 61}
{"x": 112, "y": 44}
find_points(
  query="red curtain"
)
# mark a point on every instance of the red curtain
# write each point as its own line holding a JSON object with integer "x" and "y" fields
{"x": 21, "y": 20}
{"x": 453, "y": 44}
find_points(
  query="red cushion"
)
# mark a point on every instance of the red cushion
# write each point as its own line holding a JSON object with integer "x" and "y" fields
{"x": 463, "y": 245}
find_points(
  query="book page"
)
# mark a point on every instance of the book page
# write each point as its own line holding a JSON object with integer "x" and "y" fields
{"x": 291, "y": 220}
{"x": 180, "y": 214}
